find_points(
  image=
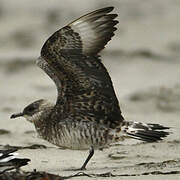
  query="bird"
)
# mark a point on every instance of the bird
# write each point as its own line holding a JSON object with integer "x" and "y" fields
{"x": 86, "y": 114}
{"x": 9, "y": 160}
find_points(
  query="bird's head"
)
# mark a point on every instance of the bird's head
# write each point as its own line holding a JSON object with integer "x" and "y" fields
{"x": 35, "y": 110}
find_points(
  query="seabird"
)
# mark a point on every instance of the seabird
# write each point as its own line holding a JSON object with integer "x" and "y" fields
{"x": 86, "y": 114}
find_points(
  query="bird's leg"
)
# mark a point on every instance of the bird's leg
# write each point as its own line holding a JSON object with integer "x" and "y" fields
{"x": 91, "y": 153}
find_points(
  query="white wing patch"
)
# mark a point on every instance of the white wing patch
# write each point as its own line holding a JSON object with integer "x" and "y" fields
{"x": 95, "y": 29}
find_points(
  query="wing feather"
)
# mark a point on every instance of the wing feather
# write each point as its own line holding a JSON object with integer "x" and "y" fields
{"x": 50, "y": 72}
{"x": 95, "y": 29}
{"x": 72, "y": 54}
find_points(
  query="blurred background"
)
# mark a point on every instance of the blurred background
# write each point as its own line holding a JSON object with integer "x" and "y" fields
{"x": 143, "y": 60}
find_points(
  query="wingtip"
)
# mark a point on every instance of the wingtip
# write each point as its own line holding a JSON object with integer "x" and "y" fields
{"x": 95, "y": 28}
{"x": 105, "y": 9}
{"x": 92, "y": 31}
{"x": 108, "y": 8}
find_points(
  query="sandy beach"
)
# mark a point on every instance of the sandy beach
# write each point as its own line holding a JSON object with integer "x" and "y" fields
{"x": 143, "y": 60}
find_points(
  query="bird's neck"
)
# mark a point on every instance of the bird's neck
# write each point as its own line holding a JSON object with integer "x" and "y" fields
{"x": 42, "y": 123}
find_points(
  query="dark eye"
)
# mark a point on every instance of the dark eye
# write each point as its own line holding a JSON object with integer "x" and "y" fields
{"x": 28, "y": 110}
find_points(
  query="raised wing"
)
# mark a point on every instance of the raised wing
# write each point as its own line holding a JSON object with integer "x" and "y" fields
{"x": 50, "y": 71}
{"x": 72, "y": 52}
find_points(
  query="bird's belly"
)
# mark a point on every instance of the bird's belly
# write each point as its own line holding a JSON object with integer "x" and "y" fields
{"x": 73, "y": 140}
{"x": 81, "y": 135}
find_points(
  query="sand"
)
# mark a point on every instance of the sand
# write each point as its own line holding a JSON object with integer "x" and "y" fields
{"x": 143, "y": 61}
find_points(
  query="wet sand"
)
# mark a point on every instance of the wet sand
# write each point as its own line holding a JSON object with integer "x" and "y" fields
{"x": 143, "y": 61}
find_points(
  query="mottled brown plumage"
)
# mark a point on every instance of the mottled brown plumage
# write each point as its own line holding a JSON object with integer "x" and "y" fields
{"x": 87, "y": 112}
{"x": 85, "y": 83}
{"x": 85, "y": 95}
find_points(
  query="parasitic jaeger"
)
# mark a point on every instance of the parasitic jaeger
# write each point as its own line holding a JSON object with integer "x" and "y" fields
{"x": 86, "y": 114}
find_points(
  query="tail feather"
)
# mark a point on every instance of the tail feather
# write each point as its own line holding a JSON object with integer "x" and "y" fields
{"x": 145, "y": 132}
{"x": 157, "y": 127}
